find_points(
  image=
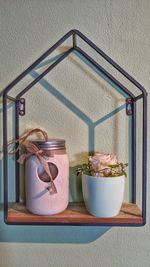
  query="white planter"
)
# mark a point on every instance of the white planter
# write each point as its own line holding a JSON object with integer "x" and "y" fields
{"x": 103, "y": 197}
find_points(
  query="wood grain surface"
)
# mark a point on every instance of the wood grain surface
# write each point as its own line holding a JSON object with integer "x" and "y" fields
{"x": 76, "y": 213}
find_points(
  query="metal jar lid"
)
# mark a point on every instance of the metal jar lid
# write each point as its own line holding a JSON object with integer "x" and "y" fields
{"x": 51, "y": 144}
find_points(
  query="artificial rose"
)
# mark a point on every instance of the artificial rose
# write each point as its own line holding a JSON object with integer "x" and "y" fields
{"x": 101, "y": 161}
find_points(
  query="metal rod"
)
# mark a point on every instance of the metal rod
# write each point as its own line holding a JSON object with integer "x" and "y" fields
{"x": 113, "y": 63}
{"x": 77, "y": 224}
{"x": 74, "y": 40}
{"x": 11, "y": 98}
{"x": 138, "y": 97}
{"x": 17, "y": 166}
{"x": 48, "y": 52}
{"x": 5, "y": 160}
{"x": 44, "y": 72}
{"x": 144, "y": 167}
{"x": 99, "y": 67}
{"x": 133, "y": 152}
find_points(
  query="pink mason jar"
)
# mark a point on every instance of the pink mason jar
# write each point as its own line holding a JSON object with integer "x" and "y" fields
{"x": 38, "y": 198}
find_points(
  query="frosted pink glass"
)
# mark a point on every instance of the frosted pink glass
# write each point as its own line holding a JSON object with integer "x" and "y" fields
{"x": 38, "y": 199}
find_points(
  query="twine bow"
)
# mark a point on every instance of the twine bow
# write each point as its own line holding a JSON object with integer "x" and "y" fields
{"x": 34, "y": 150}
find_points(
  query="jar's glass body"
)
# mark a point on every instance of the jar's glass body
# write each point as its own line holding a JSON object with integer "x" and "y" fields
{"x": 38, "y": 198}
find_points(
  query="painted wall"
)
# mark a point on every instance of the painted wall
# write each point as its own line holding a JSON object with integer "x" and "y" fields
{"x": 121, "y": 29}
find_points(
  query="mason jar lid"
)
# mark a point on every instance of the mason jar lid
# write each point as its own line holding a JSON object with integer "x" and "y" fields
{"x": 51, "y": 144}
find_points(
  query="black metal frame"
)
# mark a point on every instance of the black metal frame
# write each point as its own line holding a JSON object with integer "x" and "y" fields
{"x": 130, "y": 109}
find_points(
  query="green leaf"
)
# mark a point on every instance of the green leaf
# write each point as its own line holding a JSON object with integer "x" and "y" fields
{"x": 114, "y": 165}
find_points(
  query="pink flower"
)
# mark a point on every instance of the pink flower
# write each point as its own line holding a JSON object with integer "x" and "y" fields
{"x": 101, "y": 161}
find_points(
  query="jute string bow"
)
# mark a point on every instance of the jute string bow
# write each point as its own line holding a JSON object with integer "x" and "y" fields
{"x": 34, "y": 150}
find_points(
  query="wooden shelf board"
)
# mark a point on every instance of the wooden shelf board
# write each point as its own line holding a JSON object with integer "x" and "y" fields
{"x": 76, "y": 213}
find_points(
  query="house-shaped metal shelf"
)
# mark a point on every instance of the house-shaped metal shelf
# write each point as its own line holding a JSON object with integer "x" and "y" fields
{"x": 76, "y": 214}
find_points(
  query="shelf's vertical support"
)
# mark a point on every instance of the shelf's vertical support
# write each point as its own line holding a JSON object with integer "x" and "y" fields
{"x": 5, "y": 157}
{"x": 144, "y": 167}
{"x": 133, "y": 151}
{"x": 17, "y": 153}
{"x": 130, "y": 156}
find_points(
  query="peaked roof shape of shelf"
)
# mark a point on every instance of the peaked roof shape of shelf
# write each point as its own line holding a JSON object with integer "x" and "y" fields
{"x": 11, "y": 216}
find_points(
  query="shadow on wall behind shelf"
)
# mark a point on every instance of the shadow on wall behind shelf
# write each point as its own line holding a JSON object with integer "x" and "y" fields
{"x": 55, "y": 234}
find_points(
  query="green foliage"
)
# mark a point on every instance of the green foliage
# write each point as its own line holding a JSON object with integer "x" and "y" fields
{"x": 110, "y": 171}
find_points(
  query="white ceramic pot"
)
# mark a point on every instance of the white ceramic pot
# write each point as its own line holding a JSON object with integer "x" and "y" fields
{"x": 103, "y": 197}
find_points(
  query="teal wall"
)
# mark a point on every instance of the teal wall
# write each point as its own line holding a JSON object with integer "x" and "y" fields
{"x": 121, "y": 29}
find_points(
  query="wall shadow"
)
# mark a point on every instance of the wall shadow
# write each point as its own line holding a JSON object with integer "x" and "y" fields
{"x": 59, "y": 234}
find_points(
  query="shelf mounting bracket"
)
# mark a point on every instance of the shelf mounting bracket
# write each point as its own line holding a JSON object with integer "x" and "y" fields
{"x": 129, "y": 109}
{"x": 21, "y": 106}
